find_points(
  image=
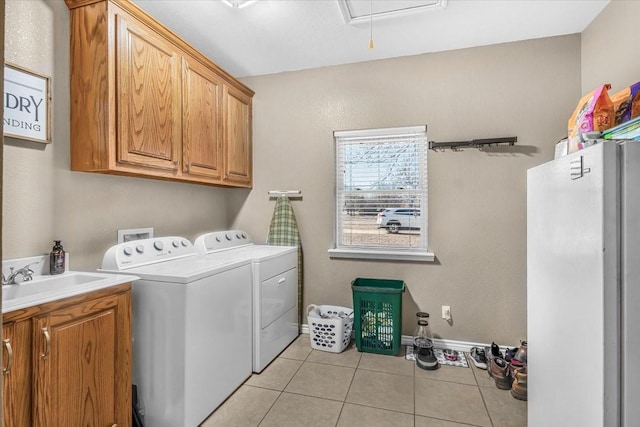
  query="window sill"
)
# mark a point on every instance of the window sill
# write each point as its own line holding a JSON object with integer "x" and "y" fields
{"x": 382, "y": 255}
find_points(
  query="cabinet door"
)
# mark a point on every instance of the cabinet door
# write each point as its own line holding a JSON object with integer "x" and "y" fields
{"x": 201, "y": 121}
{"x": 16, "y": 374}
{"x": 148, "y": 97}
{"x": 237, "y": 130}
{"x": 83, "y": 364}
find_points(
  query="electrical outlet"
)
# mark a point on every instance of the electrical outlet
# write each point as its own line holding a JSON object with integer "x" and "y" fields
{"x": 446, "y": 312}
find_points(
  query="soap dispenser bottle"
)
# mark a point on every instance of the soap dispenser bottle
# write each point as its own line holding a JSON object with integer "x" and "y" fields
{"x": 56, "y": 258}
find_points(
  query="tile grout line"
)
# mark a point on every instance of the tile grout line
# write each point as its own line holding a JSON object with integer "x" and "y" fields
{"x": 415, "y": 405}
{"x": 285, "y": 386}
{"x": 349, "y": 389}
{"x": 484, "y": 402}
{"x": 269, "y": 410}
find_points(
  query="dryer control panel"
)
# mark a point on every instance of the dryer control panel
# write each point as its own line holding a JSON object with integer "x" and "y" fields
{"x": 220, "y": 240}
{"x": 146, "y": 251}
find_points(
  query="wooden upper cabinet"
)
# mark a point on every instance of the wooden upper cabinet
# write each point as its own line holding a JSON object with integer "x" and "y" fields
{"x": 148, "y": 92}
{"x": 237, "y": 127}
{"x": 202, "y": 120}
{"x": 145, "y": 103}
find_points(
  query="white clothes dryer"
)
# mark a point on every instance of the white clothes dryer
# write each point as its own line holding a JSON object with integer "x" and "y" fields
{"x": 191, "y": 327}
{"x": 275, "y": 289}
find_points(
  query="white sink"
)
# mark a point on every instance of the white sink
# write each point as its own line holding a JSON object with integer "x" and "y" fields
{"x": 41, "y": 284}
{"x": 50, "y": 288}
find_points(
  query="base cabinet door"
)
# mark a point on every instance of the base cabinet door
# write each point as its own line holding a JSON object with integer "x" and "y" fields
{"x": 82, "y": 369}
{"x": 16, "y": 374}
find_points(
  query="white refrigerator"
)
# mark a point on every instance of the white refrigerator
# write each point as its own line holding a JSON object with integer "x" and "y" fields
{"x": 583, "y": 288}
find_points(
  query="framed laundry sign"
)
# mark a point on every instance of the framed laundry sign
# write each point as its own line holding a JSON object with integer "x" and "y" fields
{"x": 27, "y": 102}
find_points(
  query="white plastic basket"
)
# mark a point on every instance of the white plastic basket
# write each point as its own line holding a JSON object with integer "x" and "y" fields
{"x": 330, "y": 327}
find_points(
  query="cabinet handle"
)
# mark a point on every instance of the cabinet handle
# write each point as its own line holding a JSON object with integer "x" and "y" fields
{"x": 176, "y": 162}
{"x": 47, "y": 340}
{"x": 7, "y": 345}
{"x": 281, "y": 281}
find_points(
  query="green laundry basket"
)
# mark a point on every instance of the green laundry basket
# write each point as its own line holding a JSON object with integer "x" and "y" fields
{"x": 377, "y": 309}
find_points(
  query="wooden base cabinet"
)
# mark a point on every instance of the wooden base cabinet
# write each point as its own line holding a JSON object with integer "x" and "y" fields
{"x": 70, "y": 362}
{"x": 16, "y": 373}
{"x": 145, "y": 103}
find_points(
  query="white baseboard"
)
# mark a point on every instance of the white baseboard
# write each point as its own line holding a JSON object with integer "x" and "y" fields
{"x": 464, "y": 346}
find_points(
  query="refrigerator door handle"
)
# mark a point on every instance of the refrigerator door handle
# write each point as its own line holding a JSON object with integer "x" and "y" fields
{"x": 577, "y": 168}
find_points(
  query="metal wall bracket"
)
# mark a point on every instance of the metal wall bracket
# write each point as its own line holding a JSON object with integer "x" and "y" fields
{"x": 474, "y": 143}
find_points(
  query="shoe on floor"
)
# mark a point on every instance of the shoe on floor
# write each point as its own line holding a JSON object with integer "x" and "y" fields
{"x": 509, "y": 353}
{"x": 426, "y": 359}
{"x": 521, "y": 354}
{"x": 519, "y": 385}
{"x": 516, "y": 366}
{"x": 499, "y": 371}
{"x": 492, "y": 351}
{"x": 478, "y": 357}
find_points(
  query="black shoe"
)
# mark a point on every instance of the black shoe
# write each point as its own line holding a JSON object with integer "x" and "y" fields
{"x": 425, "y": 359}
{"x": 495, "y": 350}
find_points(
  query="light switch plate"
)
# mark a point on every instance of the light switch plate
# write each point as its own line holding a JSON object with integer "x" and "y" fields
{"x": 446, "y": 312}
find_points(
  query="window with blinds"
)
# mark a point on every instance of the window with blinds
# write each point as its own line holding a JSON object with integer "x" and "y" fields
{"x": 381, "y": 189}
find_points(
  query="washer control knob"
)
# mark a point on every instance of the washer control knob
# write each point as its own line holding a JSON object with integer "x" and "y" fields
{"x": 238, "y": 236}
{"x": 158, "y": 245}
{"x": 244, "y": 236}
{"x": 227, "y": 236}
{"x": 140, "y": 249}
{"x": 127, "y": 251}
{"x": 175, "y": 244}
{"x": 218, "y": 239}
{"x": 184, "y": 243}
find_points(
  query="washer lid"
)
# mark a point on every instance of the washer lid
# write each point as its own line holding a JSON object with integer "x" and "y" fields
{"x": 166, "y": 259}
{"x": 259, "y": 253}
{"x": 186, "y": 270}
{"x": 239, "y": 243}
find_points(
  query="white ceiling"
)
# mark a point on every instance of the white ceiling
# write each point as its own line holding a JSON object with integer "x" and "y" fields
{"x": 272, "y": 36}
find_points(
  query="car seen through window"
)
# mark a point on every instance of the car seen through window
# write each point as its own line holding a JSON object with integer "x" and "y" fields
{"x": 396, "y": 219}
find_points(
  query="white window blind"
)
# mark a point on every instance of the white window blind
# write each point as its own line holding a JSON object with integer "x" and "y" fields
{"x": 381, "y": 189}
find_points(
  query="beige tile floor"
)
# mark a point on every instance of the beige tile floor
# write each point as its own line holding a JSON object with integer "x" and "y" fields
{"x": 307, "y": 388}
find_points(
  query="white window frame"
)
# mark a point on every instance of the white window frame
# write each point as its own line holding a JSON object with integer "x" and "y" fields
{"x": 380, "y": 252}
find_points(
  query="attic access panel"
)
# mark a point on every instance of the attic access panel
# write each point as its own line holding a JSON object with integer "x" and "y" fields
{"x": 358, "y": 11}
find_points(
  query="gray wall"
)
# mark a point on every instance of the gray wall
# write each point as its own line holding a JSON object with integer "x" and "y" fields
{"x": 610, "y": 47}
{"x": 43, "y": 200}
{"x": 477, "y": 200}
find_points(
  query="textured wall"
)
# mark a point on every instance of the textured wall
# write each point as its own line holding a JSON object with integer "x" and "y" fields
{"x": 610, "y": 47}
{"x": 43, "y": 200}
{"x": 477, "y": 200}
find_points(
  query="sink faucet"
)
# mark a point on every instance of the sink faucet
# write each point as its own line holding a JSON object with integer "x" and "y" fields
{"x": 25, "y": 271}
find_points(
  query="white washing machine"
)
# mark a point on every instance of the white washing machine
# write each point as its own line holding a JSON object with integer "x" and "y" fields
{"x": 275, "y": 289}
{"x": 191, "y": 327}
